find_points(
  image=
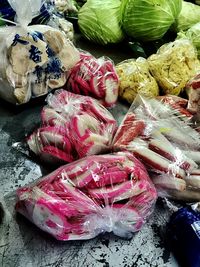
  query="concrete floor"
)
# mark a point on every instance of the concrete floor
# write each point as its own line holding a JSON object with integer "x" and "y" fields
{"x": 24, "y": 245}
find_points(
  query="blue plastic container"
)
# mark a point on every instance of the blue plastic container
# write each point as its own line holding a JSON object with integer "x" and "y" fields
{"x": 183, "y": 232}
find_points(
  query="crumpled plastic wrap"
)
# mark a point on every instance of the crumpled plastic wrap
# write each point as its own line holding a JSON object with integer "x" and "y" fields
{"x": 160, "y": 133}
{"x": 94, "y": 77}
{"x": 135, "y": 78}
{"x": 73, "y": 127}
{"x": 34, "y": 59}
{"x": 97, "y": 194}
{"x": 174, "y": 65}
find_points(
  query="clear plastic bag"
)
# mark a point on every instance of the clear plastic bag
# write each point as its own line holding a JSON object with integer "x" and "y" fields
{"x": 7, "y": 13}
{"x": 65, "y": 6}
{"x": 193, "y": 91}
{"x": 34, "y": 59}
{"x": 97, "y": 194}
{"x": 94, "y": 77}
{"x": 160, "y": 134}
{"x": 135, "y": 78}
{"x": 174, "y": 65}
{"x": 73, "y": 127}
{"x": 63, "y": 25}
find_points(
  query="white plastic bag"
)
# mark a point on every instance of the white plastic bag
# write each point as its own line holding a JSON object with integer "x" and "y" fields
{"x": 34, "y": 59}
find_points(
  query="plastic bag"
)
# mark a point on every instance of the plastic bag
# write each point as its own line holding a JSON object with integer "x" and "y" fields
{"x": 97, "y": 194}
{"x": 94, "y": 77}
{"x": 73, "y": 127}
{"x": 63, "y": 25}
{"x": 174, "y": 65}
{"x": 135, "y": 78}
{"x": 193, "y": 91}
{"x": 160, "y": 134}
{"x": 7, "y": 13}
{"x": 34, "y": 59}
{"x": 183, "y": 233}
{"x": 65, "y": 6}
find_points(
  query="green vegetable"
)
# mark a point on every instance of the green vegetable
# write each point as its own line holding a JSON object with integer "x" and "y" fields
{"x": 149, "y": 20}
{"x": 190, "y": 15}
{"x": 99, "y": 21}
{"x": 193, "y": 34}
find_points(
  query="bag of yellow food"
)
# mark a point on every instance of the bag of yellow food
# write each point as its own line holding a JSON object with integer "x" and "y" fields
{"x": 135, "y": 78}
{"x": 173, "y": 65}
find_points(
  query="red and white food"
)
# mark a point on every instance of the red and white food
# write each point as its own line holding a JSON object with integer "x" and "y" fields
{"x": 159, "y": 132}
{"x": 93, "y": 195}
{"x": 94, "y": 77}
{"x": 193, "y": 90}
{"x": 73, "y": 127}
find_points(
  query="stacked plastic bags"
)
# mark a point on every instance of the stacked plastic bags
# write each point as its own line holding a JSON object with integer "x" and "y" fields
{"x": 95, "y": 192}
{"x": 36, "y": 59}
{"x": 156, "y": 131}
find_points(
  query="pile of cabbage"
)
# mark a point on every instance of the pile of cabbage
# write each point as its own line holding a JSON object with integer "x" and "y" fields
{"x": 109, "y": 21}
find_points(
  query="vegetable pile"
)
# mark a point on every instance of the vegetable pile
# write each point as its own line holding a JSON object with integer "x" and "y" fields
{"x": 140, "y": 19}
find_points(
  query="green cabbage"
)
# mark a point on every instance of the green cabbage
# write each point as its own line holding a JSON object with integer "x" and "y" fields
{"x": 149, "y": 20}
{"x": 99, "y": 21}
{"x": 190, "y": 15}
{"x": 193, "y": 34}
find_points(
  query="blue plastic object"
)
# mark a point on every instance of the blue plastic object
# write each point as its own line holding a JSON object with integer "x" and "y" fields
{"x": 183, "y": 232}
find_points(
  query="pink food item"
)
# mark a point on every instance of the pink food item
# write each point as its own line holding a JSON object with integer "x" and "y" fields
{"x": 73, "y": 127}
{"x": 172, "y": 153}
{"x": 81, "y": 199}
{"x": 94, "y": 77}
{"x": 177, "y": 103}
{"x": 159, "y": 132}
{"x": 168, "y": 182}
{"x": 130, "y": 129}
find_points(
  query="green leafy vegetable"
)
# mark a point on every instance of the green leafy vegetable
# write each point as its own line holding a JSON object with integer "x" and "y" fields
{"x": 190, "y": 15}
{"x": 99, "y": 21}
{"x": 149, "y": 20}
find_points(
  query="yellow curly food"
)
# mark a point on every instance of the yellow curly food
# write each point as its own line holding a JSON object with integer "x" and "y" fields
{"x": 174, "y": 65}
{"x": 135, "y": 78}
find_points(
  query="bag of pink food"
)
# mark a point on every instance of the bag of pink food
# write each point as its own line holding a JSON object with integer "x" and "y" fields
{"x": 73, "y": 126}
{"x": 159, "y": 132}
{"x": 96, "y": 194}
{"x": 95, "y": 77}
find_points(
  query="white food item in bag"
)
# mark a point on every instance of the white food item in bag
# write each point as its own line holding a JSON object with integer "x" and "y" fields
{"x": 34, "y": 58}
